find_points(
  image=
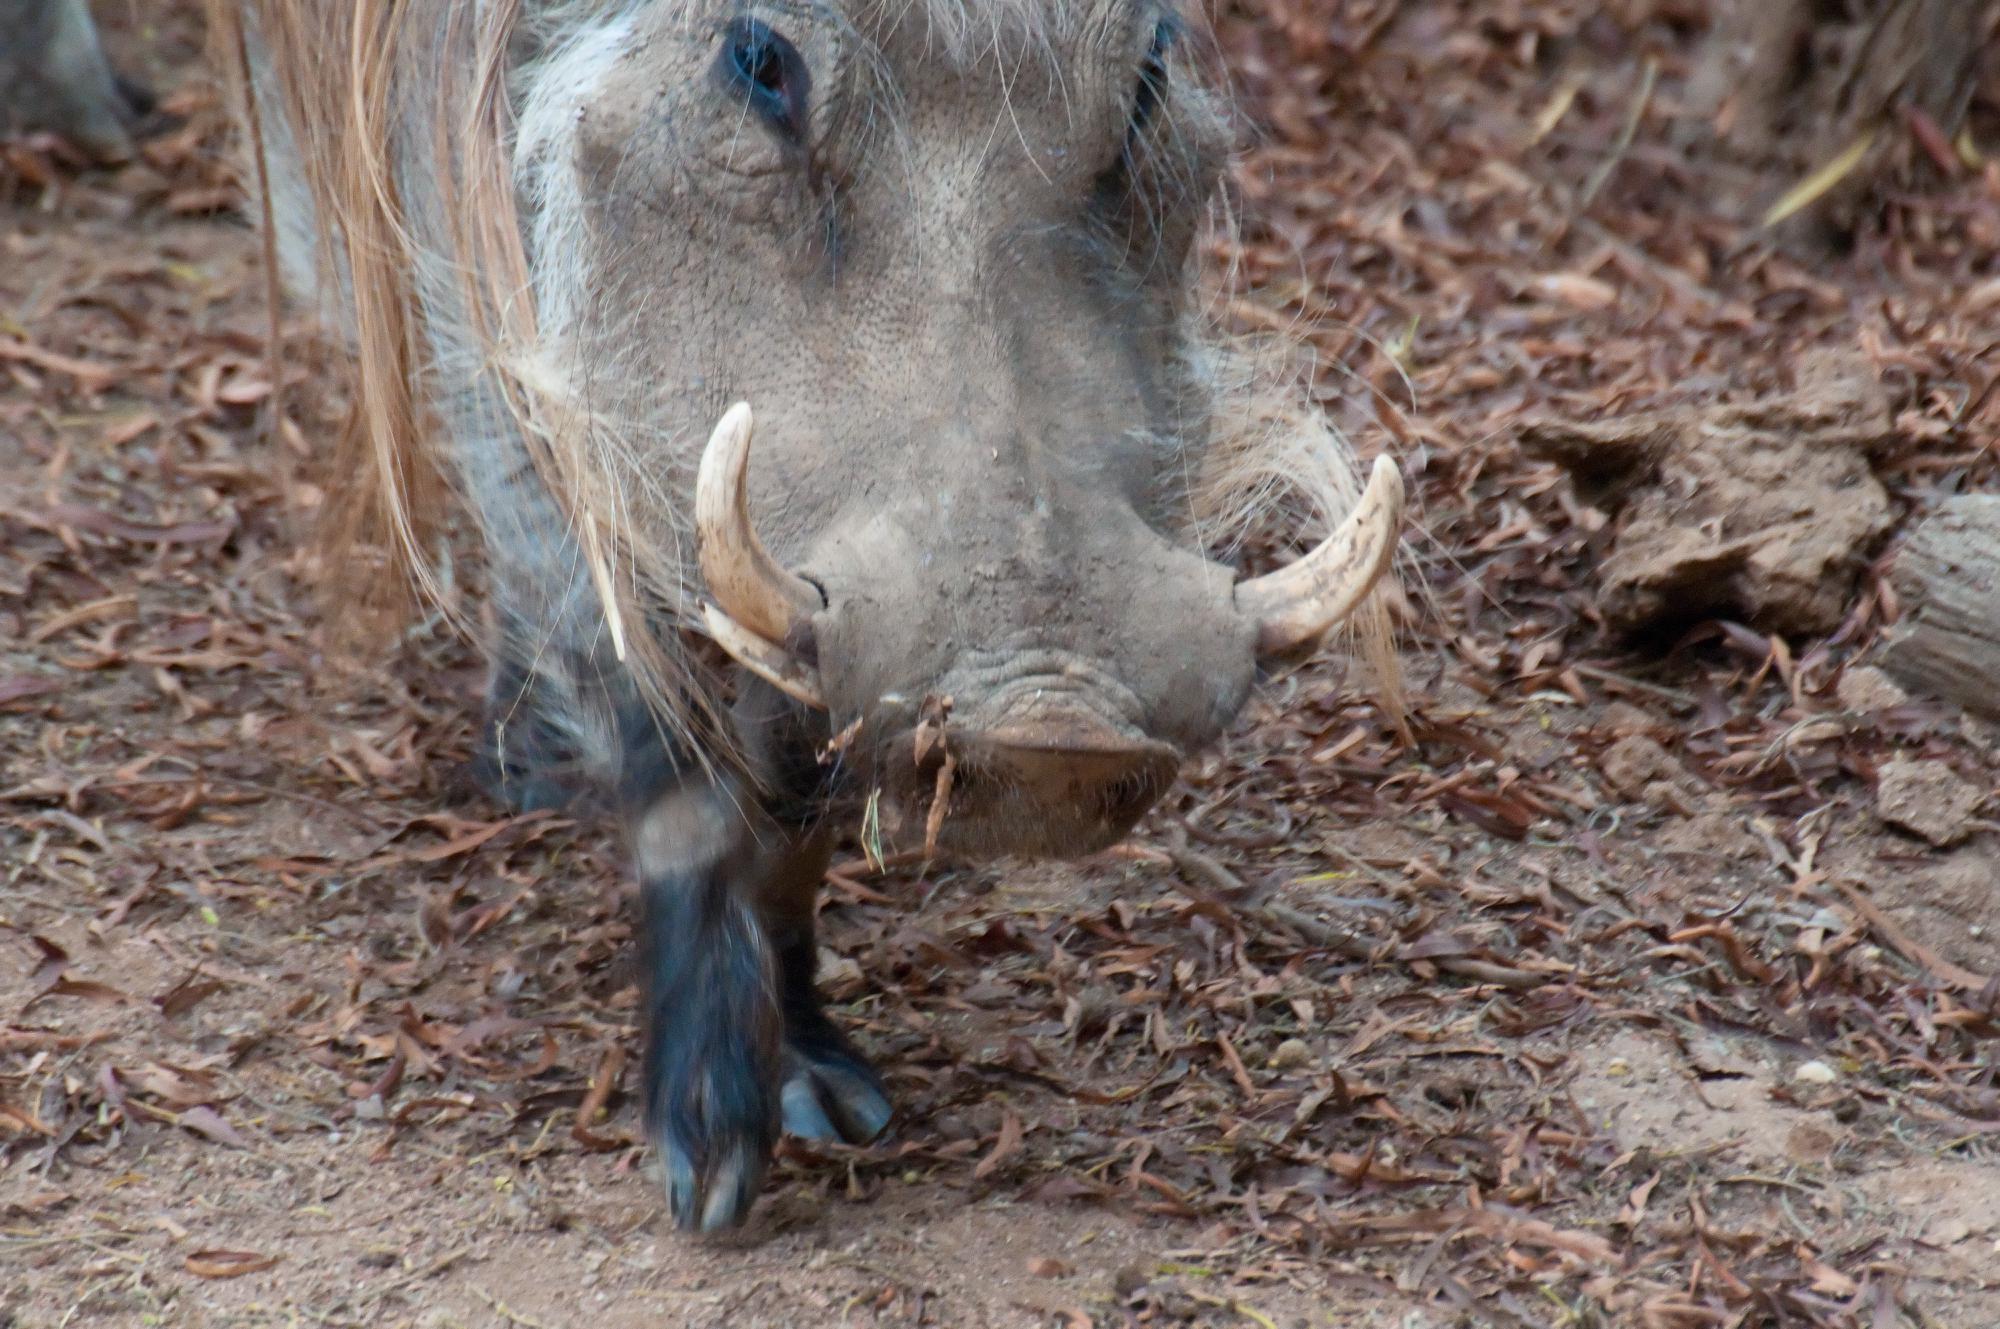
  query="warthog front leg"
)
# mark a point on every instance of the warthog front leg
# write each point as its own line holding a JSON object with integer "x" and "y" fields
{"x": 714, "y": 1027}
{"x": 830, "y": 1092}
{"x": 737, "y": 1045}
{"x": 736, "y": 1041}
{"x": 525, "y": 759}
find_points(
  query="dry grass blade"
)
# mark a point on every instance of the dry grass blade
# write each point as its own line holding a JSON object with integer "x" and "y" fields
{"x": 1815, "y": 186}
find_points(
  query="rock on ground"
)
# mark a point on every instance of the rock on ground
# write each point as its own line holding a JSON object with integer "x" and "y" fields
{"x": 1927, "y": 798}
{"x": 1868, "y": 689}
{"x": 1638, "y": 767}
{"x": 1762, "y": 511}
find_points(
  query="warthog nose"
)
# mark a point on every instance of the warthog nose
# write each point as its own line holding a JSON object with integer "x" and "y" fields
{"x": 1083, "y": 774}
{"x": 1067, "y": 763}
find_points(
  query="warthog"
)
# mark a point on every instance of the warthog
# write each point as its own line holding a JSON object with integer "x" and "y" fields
{"x": 53, "y": 75}
{"x": 965, "y": 564}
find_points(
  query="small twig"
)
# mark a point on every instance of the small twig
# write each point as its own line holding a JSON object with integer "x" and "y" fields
{"x": 1909, "y": 948}
{"x": 1209, "y": 872}
{"x": 1664, "y": 273}
{"x": 1355, "y": 947}
{"x": 1237, "y": 1070}
{"x": 853, "y": 889}
{"x": 1324, "y": 935}
{"x": 1603, "y": 675}
{"x": 1485, "y": 971}
{"x": 508, "y": 1313}
{"x": 24, "y": 1040}
{"x": 609, "y": 1071}
{"x": 1359, "y": 864}
{"x": 940, "y": 804}
{"x": 902, "y": 858}
{"x": 1633, "y": 119}
{"x": 1233, "y": 1306}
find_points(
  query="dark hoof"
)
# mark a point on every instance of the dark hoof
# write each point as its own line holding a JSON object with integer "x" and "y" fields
{"x": 136, "y": 99}
{"x": 713, "y": 1192}
{"x": 831, "y": 1094}
{"x": 714, "y": 1060}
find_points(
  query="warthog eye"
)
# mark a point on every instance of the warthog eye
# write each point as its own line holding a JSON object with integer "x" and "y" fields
{"x": 768, "y": 73}
{"x": 1152, "y": 88}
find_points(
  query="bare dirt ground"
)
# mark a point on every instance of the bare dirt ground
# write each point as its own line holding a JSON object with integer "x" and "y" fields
{"x": 1607, "y": 996}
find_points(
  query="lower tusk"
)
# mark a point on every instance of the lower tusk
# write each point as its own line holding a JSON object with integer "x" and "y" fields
{"x": 768, "y": 661}
{"x": 1297, "y": 603}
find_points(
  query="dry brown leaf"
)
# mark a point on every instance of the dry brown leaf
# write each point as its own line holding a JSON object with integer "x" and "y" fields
{"x": 206, "y": 1121}
{"x": 23, "y": 1120}
{"x": 187, "y": 994}
{"x": 227, "y": 1264}
{"x": 1005, "y": 1145}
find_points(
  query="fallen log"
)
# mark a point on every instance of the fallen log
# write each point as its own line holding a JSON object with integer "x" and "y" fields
{"x": 1948, "y": 578}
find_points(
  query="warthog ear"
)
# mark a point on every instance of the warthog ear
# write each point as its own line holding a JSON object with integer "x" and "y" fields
{"x": 1152, "y": 89}
{"x": 1175, "y": 146}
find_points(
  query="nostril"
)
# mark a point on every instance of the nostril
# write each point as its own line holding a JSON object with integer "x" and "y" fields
{"x": 802, "y": 642}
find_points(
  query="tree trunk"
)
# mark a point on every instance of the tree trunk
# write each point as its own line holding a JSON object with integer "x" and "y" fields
{"x": 1792, "y": 88}
{"x": 1948, "y": 575}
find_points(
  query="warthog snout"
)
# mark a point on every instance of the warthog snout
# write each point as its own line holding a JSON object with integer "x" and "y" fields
{"x": 1067, "y": 785}
{"x": 1080, "y": 659}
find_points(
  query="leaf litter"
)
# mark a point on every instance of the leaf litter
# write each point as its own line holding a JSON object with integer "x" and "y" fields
{"x": 1482, "y": 1023}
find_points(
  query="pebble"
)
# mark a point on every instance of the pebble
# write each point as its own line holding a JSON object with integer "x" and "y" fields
{"x": 1815, "y": 1072}
{"x": 1927, "y": 798}
{"x": 1293, "y": 1052}
{"x": 1869, "y": 689}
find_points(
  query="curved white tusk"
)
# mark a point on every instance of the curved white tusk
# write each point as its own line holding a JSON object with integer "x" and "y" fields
{"x": 776, "y": 666}
{"x": 1298, "y": 602}
{"x": 751, "y": 586}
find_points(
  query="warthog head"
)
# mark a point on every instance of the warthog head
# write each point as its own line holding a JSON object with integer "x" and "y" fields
{"x": 946, "y": 273}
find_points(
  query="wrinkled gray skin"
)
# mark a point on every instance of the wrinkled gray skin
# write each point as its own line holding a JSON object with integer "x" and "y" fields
{"x": 944, "y": 253}
{"x": 53, "y": 75}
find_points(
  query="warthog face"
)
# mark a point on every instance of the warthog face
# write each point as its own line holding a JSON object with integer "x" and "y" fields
{"x": 950, "y": 276}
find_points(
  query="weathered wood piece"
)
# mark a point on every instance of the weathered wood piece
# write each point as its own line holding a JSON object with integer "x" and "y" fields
{"x": 1948, "y": 575}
